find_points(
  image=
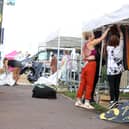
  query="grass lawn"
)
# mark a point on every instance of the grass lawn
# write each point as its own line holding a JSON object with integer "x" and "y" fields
{"x": 98, "y": 108}
{"x": 124, "y": 95}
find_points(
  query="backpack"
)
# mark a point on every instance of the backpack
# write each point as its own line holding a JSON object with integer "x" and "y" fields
{"x": 43, "y": 91}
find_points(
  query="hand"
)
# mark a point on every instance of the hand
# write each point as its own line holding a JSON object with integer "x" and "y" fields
{"x": 108, "y": 29}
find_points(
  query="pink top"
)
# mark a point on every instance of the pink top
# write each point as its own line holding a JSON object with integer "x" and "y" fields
{"x": 86, "y": 52}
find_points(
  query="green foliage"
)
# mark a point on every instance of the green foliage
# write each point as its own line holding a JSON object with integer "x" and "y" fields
{"x": 124, "y": 95}
{"x": 98, "y": 108}
{"x": 72, "y": 95}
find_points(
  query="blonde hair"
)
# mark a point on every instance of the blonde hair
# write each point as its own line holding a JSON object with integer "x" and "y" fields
{"x": 87, "y": 35}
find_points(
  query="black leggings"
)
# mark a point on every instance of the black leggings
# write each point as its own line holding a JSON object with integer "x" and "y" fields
{"x": 114, "y": 84}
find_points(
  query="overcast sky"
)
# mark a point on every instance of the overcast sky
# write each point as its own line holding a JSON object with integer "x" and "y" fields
{"x": 29, "y": 22}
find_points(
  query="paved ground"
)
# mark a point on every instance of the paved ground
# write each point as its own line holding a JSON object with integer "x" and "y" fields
{"x": 18, "y": 110}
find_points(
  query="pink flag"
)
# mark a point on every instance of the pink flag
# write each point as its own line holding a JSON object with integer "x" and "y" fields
{"x": 11, "y": 55}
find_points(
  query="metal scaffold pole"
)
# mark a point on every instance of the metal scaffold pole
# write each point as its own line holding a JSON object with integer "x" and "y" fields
{"x": 58, "y": 56}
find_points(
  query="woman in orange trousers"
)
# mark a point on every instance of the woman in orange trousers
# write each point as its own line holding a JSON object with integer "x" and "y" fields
{"x": 89, "y": 69}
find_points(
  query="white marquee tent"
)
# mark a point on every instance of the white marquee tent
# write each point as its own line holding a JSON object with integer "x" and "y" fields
{"x": 120, "y": 16}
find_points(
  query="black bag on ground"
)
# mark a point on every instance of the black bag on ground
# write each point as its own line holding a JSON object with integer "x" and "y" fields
{"x": 43, "y": 91}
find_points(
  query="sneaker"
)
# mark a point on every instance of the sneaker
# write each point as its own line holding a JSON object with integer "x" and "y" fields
{"x": 113, "y": 104}
{"x": 116, "y": 103}
{"x": 78, "y": 103}
{"x": 87, "y": 105}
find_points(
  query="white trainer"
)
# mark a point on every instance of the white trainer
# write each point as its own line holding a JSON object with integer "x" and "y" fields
{"x": 87, "y": 106}
{"x": 78, "y": 103}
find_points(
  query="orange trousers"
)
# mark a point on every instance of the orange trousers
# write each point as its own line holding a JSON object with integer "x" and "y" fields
{"x": 87, "y": 80}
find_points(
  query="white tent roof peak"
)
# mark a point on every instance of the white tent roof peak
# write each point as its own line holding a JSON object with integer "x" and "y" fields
{"x": 119, "y": 16}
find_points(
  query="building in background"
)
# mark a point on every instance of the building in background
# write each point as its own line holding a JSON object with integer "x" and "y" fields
{"x": 55, "y": 46}
{"x": 65, "y": 42}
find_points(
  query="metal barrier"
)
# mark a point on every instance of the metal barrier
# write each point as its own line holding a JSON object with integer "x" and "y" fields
{"x": 73, "y": 78}
{"x": 72, "y": 75}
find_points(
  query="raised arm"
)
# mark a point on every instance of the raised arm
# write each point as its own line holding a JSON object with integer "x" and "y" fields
{"x": 120, "y": 32}
{"x": 121, "y": 36}
{"x": 98, "y": 40}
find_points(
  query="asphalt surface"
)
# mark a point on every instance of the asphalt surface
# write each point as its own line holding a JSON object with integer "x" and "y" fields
{"x": 18, "y": 110}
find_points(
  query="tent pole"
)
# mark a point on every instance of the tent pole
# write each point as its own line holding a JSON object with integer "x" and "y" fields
{"x": 58, "y": 54}
{"x": 100, "y": 70}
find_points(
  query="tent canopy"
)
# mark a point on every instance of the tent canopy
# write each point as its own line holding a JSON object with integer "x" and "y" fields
{"x": 120, "y": 16}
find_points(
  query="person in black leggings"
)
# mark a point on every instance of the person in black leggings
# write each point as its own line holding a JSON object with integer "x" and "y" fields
{"x": 114, "y": 65}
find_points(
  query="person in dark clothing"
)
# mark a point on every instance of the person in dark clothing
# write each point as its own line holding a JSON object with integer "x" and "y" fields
{"x": 53, "y": 64}
{"x": 12, "y": 66}
{"x": 92, "y": 100}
